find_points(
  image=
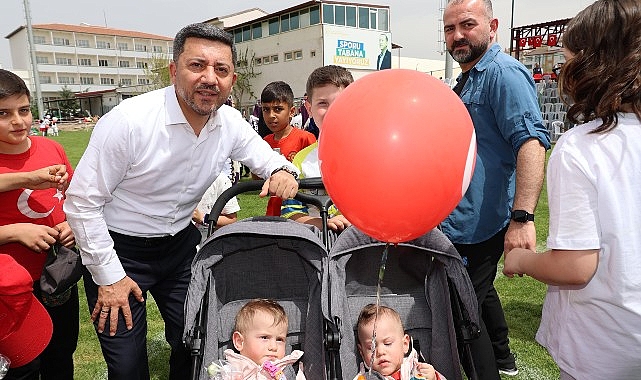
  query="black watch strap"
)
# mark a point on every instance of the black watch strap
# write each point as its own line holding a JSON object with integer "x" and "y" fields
{"x": 286, "y": 169}
{"x": 522, "y": 216}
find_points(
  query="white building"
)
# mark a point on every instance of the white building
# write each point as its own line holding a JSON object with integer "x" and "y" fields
{"x": 88, "y": 59}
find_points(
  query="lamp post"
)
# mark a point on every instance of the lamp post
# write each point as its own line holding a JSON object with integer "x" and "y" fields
{"x": 34, "y": 62}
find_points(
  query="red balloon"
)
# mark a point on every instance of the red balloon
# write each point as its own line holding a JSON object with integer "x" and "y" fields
{"x": 397, "y": 152}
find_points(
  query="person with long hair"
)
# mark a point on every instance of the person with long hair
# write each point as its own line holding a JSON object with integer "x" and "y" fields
{"x": 591, "y": 322}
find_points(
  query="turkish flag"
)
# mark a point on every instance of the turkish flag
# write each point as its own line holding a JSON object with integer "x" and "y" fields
{"x": 538, "y": 41}
{"x": 530, "y": 41}
{"x": 522, "y": 42}
{"x": 552, "y": 39}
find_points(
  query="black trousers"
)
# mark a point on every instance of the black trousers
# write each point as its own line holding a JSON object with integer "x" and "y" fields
{"x": 493, "y": 344}
{"x": 56, "y": 361}
{"x": 162, "y": 267}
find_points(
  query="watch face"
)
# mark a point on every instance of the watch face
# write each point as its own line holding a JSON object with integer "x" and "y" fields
{"x": 522, "y": 216}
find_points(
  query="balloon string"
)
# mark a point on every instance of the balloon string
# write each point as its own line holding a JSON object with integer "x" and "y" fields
{"x": 381, "y": 273}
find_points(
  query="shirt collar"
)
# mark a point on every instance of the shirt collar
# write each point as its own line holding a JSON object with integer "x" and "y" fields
{"x": 488, "y": 57}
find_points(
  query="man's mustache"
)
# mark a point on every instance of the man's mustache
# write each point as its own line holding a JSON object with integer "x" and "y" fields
{"x": 459, "y": 43}
{"x": 208, "y": 87}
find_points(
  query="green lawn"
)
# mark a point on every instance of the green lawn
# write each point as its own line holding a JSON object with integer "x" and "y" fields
{"x": 522, "y": 299}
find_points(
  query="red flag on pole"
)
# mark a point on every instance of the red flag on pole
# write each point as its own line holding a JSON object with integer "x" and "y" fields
{"x": 522, "y": 42}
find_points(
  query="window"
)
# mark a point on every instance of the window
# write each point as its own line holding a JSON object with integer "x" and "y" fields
{"x": 65, "y": 80}
{"x": 157, "y": 49}
{"x": 284, "y": 23}
{"x": 106, "y": 81}
{"x": 265, "y": 60}
{"x": 383, "y": 20}
{"x": 84, "y": 61}
{"x": 143, "y": 81}
{"x": 274, "y": 58}
{"x": 141, "y": 65}
{"x": 314, "y": 15}
{"x": 61, "y": 41}
{"x": 350, "y": 16}
{"x": 293, "y": 21}
{"x": 123, "y": 46}
{"x": 140, "y": 47}
{"x": 42, "y": 59}
{"x": 63, "y": 61}
{"x": 82, "y": 43}
{"x": 328, "y": 14}
{"x": 170, "y": 50}
{"x": 103, "y": 45}
{"x": 103, "y": 62}
{"x": 288, "y": 56}
{"x": 86, "y": 80}
{"x": 363, "y": 17}
{"x": 45, "y": 79}
{"x": 372, "y": 18}
{"x": 125, "y": 82}
{"x": 258, "y": 61}
{"x": 257, "y": 30}
{"x": 238, "y": 35}
{"x": 39, "y": 40}
{"x": 247, "y": 33}
{"x": 274, "y": 26}
{"x": 298, "y": 54}
{"x": 339, "y": 14}
{"x": 312, "y": 54}
{"x": 304, "y": 17}
{"x": 123, "y": 63}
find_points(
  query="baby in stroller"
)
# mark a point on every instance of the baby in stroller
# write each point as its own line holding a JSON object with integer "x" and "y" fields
{"x": 260, "y": 334}
{"x": 391, "y": 346}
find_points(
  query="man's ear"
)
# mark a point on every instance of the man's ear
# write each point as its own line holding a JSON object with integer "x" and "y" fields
{"x": 238, "y": 340}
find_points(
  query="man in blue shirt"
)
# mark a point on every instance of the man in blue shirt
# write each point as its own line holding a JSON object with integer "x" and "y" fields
{"x": 496, "y": 213}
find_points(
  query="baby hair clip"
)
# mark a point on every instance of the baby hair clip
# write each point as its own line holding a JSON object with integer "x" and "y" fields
{"x": 273, "y": 371}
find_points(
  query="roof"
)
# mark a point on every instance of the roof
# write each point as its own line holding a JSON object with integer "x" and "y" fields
{"x": 93, "y": 29}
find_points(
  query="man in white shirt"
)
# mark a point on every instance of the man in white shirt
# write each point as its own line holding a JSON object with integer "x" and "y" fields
{"x": 147, "y": 165}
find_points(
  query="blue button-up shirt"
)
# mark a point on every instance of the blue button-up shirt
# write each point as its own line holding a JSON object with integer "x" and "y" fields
{"x": 500, "y": 96}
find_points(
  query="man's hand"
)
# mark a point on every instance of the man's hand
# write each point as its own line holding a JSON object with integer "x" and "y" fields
{"x": 111, "y": 300}
{"x": 520, "y": 235}
{"x": 281, "y": 184}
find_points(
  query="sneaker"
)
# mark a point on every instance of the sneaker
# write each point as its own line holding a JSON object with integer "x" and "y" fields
{"x": 509, "y": 371}
{"x": 507, "y": 366}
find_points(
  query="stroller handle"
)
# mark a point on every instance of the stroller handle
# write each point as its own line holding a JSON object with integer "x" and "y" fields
{"x": 314, "y": 183}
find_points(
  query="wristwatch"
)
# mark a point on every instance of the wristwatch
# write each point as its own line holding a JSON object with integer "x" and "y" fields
{"x": 286, "y": 169}
{"x": 522, "y": 216}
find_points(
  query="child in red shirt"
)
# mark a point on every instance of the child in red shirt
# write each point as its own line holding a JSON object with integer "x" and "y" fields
{"x": 277, "y": 103}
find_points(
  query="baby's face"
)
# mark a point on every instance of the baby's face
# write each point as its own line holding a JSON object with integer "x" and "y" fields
{"x": 263, "y": 341}
{"x": 391, "y": 345}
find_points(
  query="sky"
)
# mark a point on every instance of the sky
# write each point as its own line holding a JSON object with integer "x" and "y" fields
{"x": 415, "y": 24}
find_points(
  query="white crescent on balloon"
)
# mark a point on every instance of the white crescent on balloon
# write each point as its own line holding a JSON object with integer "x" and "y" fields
{"x": 23, "y": 206}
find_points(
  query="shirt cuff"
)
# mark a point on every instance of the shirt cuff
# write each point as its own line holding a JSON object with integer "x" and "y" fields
{"x": 108, "y": 273}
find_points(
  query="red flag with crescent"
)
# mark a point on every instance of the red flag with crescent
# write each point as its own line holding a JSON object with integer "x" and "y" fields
{"x": 522, "y": 42}
{"x": 552, "y": 39}
{"x": 538, "y": 41}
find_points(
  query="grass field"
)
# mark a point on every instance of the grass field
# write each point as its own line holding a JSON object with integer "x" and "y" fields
{"x": 522, "y": 299}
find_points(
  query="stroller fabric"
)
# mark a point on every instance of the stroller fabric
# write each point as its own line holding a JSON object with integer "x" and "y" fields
{"x": 415, "y": 284}
{"x": 262, "y": 257}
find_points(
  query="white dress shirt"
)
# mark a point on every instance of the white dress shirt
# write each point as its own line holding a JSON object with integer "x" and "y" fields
{"x": 145, "y": 170}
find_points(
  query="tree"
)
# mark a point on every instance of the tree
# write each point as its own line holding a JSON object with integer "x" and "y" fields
{"x": 67, "y": 103}
{"x": 245, "y": 70}
{"x": 157, "y": 72}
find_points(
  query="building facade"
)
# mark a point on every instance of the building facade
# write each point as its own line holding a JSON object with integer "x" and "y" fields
{"x": 289, "y": 44}
{"x": 89, "y": 59}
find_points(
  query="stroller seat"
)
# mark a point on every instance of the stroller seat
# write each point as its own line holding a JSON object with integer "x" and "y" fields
{"x": 417, "y": 283}
{"x": 262, "y": 257}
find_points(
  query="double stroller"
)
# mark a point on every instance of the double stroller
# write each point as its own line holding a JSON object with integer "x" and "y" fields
{"x": 323, "y": 281}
